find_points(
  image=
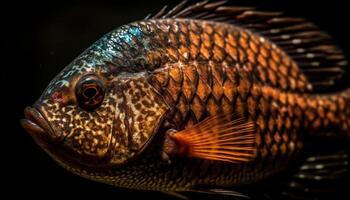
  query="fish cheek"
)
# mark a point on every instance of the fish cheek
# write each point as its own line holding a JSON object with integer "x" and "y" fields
{"x": 146, "y": 110}
{"x": 89, "y": 142}
{"x": 140, "y": 111}
{"x": 84, "y": 133}
{"x": 92, "y": 130}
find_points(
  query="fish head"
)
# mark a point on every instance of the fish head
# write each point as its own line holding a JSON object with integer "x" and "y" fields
{"x": 92, "y": 116}
{"x": 73, "y": 118}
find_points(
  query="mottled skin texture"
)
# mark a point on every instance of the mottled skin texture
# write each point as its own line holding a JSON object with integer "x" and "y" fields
{"x": 173, "y": 73}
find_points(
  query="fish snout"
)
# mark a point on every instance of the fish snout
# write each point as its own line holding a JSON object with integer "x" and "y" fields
{"x": 36, "y": 124}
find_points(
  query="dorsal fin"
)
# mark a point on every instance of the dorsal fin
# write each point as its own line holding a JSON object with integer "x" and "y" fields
{"x": 313, "y": 50}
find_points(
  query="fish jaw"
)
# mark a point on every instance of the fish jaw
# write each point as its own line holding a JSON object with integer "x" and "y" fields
{"x": 38, "y": 127}
{"x": 49, "y": 139}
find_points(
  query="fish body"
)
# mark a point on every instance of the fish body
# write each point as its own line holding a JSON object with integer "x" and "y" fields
{"x": 174, "y": 73}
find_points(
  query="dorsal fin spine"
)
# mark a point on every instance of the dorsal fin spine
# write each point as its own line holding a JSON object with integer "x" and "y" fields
{"x": 306, "y": 44}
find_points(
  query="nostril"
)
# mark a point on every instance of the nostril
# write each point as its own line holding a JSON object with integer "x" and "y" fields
{"x": 57, "y": 97}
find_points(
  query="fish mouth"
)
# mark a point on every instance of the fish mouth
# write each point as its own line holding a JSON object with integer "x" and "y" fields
{"x": 36, "y": 124}
{"x": 46, "y": 137}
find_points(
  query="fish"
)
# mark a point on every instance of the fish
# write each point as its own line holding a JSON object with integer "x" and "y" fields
{"x": 199, "y": 98}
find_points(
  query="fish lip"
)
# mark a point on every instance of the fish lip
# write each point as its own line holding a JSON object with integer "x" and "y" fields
{"x": 36, "y": 124}
{"x": 44, "y": 135}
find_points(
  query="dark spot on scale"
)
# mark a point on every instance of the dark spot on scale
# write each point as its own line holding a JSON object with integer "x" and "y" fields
{"x": 103, "y": 119}
{"x": 95, "y": 128}
{"x": 139, "y": 118}
{"x": 77, "y": 122}
{"x": 143, "y": 138}
{"x": 143, "y": 93}
{"x": 138, "y": 106}
{"x": 144, "y": 112}
{"x": 138, "y": 86}
{"x": 108, "y": 109}
{"x": 134, "y": 101}
{"x": 49, "y": 114}
{"x": 151, "y": 113}
{"x": 84, "y": 115}
{"x": 146, "y": 103}
{"x": 121, "y": 106}
{"x": 88, "y": 137}
{"x": 66, "y": 126}
{"x": 66, "y": 116}
{"x": 138, "y": 95}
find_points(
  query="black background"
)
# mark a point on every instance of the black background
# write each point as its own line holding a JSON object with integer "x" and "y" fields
{"x": 43, "y": 37}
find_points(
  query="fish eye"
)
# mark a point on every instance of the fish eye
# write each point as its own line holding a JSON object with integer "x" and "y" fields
{"x": 89, "y": 92}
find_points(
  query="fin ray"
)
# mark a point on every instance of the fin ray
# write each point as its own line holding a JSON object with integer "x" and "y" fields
{"x": 296, "y": 36}
{"x": 226, "y": 137}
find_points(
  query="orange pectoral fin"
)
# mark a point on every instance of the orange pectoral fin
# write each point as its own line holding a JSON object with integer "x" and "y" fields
{"x": 226, "y": 137}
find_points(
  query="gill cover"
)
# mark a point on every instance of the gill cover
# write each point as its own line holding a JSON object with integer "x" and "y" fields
{"x": 139, "y": 112}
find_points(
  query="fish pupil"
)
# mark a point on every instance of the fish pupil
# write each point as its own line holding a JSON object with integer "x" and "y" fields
{"x": 90, "y": 92}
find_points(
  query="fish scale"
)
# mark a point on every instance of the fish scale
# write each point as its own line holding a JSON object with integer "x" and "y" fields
{"x": 197, "y": 84}
{"x": 169, "y": 82}
{"x": 204, "y": 87}
{"x": 240, "y": 95}
{"x": 191, "y": 40}
{"x": 207, "y": 87}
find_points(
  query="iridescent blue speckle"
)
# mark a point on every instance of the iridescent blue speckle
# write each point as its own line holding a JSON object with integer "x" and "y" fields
{"x": 109, "y": 48}
{"x": 128, "y": 34}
